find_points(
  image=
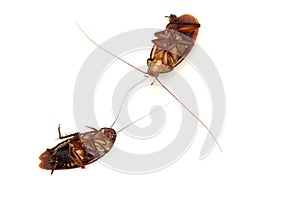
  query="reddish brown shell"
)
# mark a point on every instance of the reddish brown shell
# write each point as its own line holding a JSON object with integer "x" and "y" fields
{"x": 172, "y": 44}
{"x": 79, "y": 150}
{"x": 186, "y": 24}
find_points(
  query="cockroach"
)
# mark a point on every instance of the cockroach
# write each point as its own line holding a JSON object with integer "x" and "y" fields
{"x": 80, "y": 149}
{"x": 172, "y": 44}
{"x": 170, "y": 48}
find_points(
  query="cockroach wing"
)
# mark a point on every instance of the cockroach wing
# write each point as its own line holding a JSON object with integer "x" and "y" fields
{"x": 172, "y": 44}
{"x": 169, "y": 49}
{"x": 98, "y": 143}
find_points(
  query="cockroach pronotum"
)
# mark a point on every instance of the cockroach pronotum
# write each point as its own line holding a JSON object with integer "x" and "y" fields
{"x": 80, "y": 149}
{"x": 170, "y": 48}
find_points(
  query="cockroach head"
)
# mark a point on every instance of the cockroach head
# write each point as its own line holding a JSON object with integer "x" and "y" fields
{"x": 109, "y": 133}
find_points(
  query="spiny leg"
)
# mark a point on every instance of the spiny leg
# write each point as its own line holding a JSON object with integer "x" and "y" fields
{"x": 92, "y": 128}
{"x": 75, "y": 157}
{"x": 54, "y": 167}
{"x": 66, "y": 136}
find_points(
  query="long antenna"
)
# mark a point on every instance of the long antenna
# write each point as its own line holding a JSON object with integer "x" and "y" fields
{"x": 144, "y": 117}
{"x": 107, "y": 50}
{"x": 212, "y": 135}
{"x": 125, "y": 98}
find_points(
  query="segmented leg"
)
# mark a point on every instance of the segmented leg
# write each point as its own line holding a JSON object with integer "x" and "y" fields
{"x": 54, "y": 167}
{"x": 92, "y": 128}
{"x": 75, "y": 157}
{"x": 66, "y": 136}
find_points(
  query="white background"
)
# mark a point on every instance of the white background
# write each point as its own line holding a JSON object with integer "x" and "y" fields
{"x": 255, "y": 46}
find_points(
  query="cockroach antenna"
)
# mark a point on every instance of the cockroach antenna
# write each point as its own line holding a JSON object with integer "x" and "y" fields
{"x": 170, "y": 48}
{"x": 125, "y": 98}
{"x": 81, "y": 149}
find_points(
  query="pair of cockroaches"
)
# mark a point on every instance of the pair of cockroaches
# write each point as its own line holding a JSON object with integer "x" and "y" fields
{"x": 171, "y": 46}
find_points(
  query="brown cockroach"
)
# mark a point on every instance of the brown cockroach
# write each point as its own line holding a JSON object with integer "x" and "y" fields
{"x": 80, "y": 149}
{"x": 172, "y": 44}
{"x": 170, "y": 48}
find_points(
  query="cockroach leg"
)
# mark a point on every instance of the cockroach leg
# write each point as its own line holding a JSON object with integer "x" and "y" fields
{"x": 94, "y": 129}
{"x": 54, "y": 167}
{"x": 66, "y": 136}
{"x": 59, "y": 133}
{"x": 77, "y": 158}
{"x": 153, "y": 82}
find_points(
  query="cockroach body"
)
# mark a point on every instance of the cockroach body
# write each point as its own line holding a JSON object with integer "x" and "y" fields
{"x": 170, "y": 48}
{"x": 172, "y": 44}
{"x": 81, "y": 149}
{"x": 78, "y": 150}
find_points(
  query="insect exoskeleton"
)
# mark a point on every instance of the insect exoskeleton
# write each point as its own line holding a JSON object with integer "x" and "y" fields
{"x": 98, "y": 143}
{"x": 172, "y": 44}
{"x": 79, "y": 150}
{"x": 170, "y": 48}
